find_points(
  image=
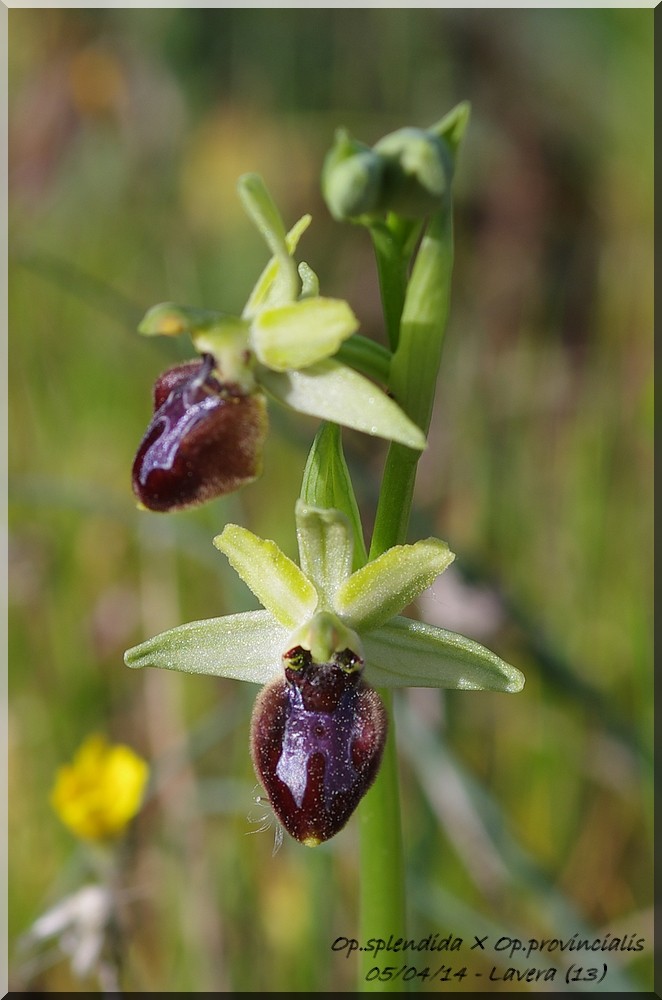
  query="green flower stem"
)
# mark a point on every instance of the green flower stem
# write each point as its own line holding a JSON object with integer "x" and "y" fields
{"x": 382, "y": 887}
{"x": 392, "y": 242}
{"x": 420, "y": 317}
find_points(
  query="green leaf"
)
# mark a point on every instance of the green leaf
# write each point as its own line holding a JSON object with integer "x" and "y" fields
{"x": 335, "y": 392}
{"x": 245, "y": 647}
{"x": 385, "y": 586}
{"x": 326, "y": 483}
{"x": 406, "y": 653}
{"x": 325, "y": 548}
{"x": 419, "y": 169}
{"x": 276, "y": 581}
{"x": 301, "y": 333}
{"x": 424, "y": 318}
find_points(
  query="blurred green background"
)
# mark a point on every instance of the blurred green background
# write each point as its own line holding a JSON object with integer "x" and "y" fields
{"x": 527, "y": 815}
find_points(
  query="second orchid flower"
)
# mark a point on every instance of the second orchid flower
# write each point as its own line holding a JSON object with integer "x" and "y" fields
{"x": 209, "y": 424}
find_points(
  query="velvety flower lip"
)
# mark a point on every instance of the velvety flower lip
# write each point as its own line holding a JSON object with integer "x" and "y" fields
{"x": 317, "y": 737}
{"x": 326, "y": 635}
{"x": 205, "y": 439}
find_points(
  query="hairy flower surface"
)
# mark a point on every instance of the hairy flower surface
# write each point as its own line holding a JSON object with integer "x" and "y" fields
{"x": 204, "y": 440}
{"x": 326, "y": 636}
{"x": 100, "y": 792}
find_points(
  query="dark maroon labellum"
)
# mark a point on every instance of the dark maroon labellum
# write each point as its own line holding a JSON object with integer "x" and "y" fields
{"x": 317, "y": 737}
{"x": 204, "y": 440}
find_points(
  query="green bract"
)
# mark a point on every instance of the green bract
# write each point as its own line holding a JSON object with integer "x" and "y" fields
{"x": 326, "y": 608}
{"x": 286, "y": 338}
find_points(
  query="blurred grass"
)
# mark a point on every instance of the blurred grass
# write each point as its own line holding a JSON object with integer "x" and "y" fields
{"x": 128, "y": 130}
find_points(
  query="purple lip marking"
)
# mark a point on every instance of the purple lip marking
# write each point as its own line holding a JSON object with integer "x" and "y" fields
{"x": 317, "y": 737}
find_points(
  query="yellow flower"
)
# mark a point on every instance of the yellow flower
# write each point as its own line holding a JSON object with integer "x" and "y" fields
{"x": 101, "y": 790}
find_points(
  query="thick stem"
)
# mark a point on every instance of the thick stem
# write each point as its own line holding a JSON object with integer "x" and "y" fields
{"x": 420, "y": 317}
{"x": 382, "y": 889}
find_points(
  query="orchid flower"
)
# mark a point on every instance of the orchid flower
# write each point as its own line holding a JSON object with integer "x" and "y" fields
{"x": 325, "y": 638}
{"x": 210, "y": 422}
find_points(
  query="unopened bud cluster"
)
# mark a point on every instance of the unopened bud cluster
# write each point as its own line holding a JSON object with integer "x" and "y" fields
{"x": 408, "y": 172}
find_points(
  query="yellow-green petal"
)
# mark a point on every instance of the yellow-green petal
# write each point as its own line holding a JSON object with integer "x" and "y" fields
{"x": 301, "y": 333}
{"x": 276, "y": 581}
{"x": 383, "y": 587}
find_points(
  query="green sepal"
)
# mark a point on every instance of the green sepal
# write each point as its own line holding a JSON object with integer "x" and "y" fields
{"x": 245, "y": 647}
{"x": 334, "y": 392}
{"x": 170, "y": 320}
{"x": 327, "y": 484}
{"x": 325, "y": 548}
{"x": 383, "y": 587}
{"x": 276, "y": 581}
{"x": 453, "y": 125}
{"x": 406, "y": 653}
{"x": 299, "y": 334}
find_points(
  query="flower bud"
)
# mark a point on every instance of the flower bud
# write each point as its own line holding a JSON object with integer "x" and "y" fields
{"x": 417, "y": 171}
{"x": 351, "y": 178}
{"x": 408, "y": 172}
{"x": 204, "y": 440}
{"x": 317, "y": 737}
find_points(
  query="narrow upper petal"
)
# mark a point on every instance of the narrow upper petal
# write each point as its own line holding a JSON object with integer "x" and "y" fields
{"x": 261, "y": 292}
{"x": 276, "y": 581}
{"x": 386, "y": 585}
